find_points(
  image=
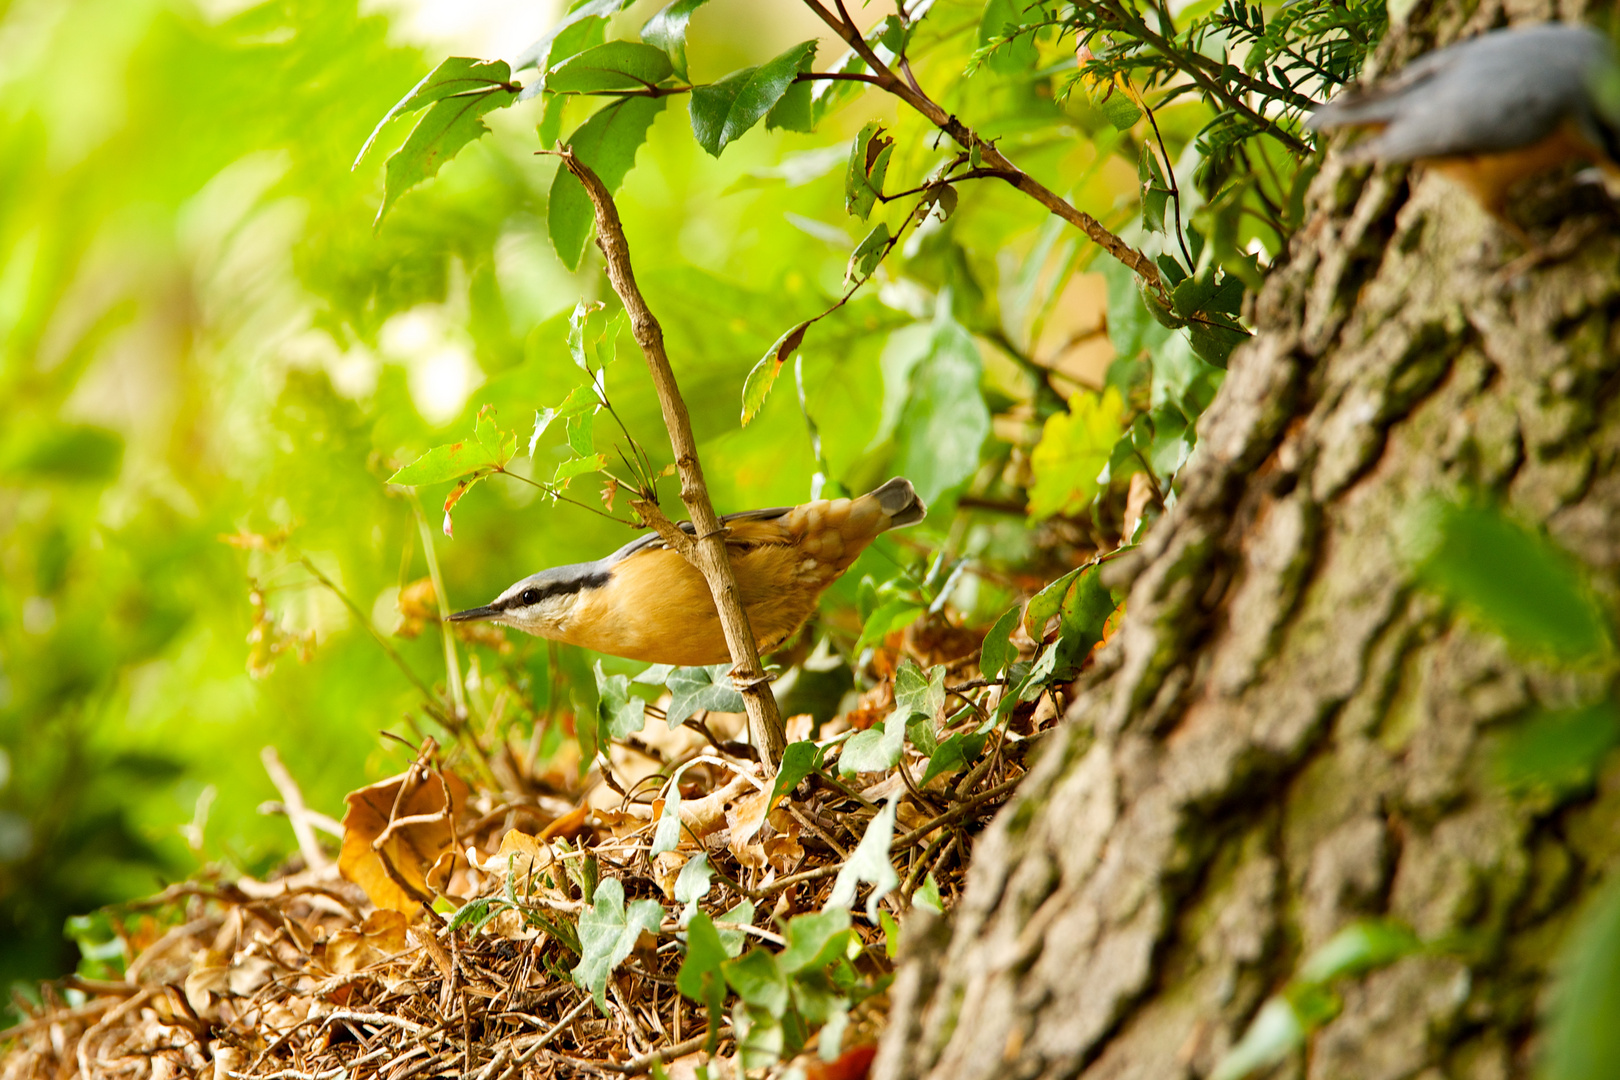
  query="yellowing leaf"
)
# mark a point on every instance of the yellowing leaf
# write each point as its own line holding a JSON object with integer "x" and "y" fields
{"x": 1074, "y": 449}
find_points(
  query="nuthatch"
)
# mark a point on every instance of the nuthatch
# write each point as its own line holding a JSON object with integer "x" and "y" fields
{"x": 646, "y": 602}
{"x": 1492, "y": 110}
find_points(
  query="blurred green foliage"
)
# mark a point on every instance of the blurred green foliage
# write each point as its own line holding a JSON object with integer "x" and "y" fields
{"x": 203, "y": 336}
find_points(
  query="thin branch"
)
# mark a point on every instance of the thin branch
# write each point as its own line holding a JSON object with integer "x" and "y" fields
{"x": 708, "y": 549}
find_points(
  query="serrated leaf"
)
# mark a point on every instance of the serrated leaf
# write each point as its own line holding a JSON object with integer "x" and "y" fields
{"x": 445, "y": 463}
{"x": 607, "y": 142}
{"x": 1073, "y": 449}
{"x": 795, "y": 111}
{"x": 607, "y": 932}
{"x": 723, "y": 111}
{"x": 614, "y": 65}
{"x": 998, "y": 651}
{"x": 581, "y": 436}
{"x": 456, "y": 76}
{"x": 455, "y": 495}
{"x": 449, "y": 124}
{"x": 868, "y": 166}
{"x": 667, "y": 30}
{"x": 868, "y": 253}
{"x": 763, "y": 376}
{"x": 577, "y": 467}
{"x": 869, "y": 863}
{"x": 697, "y": 688}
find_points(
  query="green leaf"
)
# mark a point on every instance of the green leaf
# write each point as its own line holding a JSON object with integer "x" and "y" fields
{"x": 953, "y": 754}
{"x": 939, "y": 417}
{"x": 742, "y": 914}
{"x": 876, "y": 749}
{"x": 1275, "y": 1032}
{"x": 539, "y": 53}
{"x": 700, "y": 978}
{"x": 1582, "y": 1040}
{"x": 723, "y": 111}
{"x": 868, "y": 166}
{"x": 697, "y": 688}
{"x": 667, "y": 835}
{"x": 920, "y": 734}
{"x": 998, "y": 650}
{"x": 550, "y": 127}
{"x": 457, "y": 76}
{"x": 607, "y": 142}
{"x": 1002, "y": 19}
{"x": 916, "y": 694}
{"x": 760, "y": 1038}
{"x": 1047, "y": 603}
{"x": 763, "y": 376}
{"x": 667, "y": 30}
{"x": 795, "y": 111}
{"x": 814, "y": 940}
{"x": 476, "y": 913}
{"x": 450, "y": 123}
{"x": 66, "y": 452}
{"x": 607, "y": 933}
{"x": 581, "y": 437}
{"x": 1073, "y": 449}
{"x": 1510, "y": 580}
{"x": 1362, "y": 946}
{"x": 1557, "y": 751}
{"x": 889, "y": 616}
{"x": 758, "y": 981}
{"x": 446, "y": 463}
{"x": 1118, "y": 109}
{"x": 799, "y": 760}
{"x": 615, "y": 65}
{"x": 869, "y": 863}
{"x": 928, "y": 894}
{"x": 620, "y": 712}
{"x": 573, "y": 467}
{"x": 868, "y": 253}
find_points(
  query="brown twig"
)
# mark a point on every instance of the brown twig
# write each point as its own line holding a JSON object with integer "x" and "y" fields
{"x": 297, "y": 813}
{"x": 707, "y": 550}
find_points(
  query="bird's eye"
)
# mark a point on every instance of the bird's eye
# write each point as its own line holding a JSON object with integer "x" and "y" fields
{"x": 530, "y": 596}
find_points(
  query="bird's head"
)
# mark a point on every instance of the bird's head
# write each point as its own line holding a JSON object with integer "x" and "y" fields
{"x": 540, "y": 604}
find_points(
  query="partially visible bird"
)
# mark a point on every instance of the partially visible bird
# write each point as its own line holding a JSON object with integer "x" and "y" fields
{"x": 1493, "y": 110}
{"x": 646, "y": 602}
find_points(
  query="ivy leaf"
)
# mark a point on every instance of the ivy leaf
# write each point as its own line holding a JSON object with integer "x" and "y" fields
{"x": 876, "y": 749}
{"x": 869, "y": 863}
{"x": 763, "y": 376}
{"x": 916, "y": 694}
{"x": 695, "y": 688}
{"x": 758, "y": 981}
{"x": 700, "y": 978}
{"x": 814, "y": 940}
{"x": 799, "y": 760}
{"x": 1074, "y": 448}
{"x": 998, "y": 649}
{"x": 667, "y": 30}
{"x": 620, "y": 712}
{"x": 614, "y": 65}
{"x": 607, "y": 142}
{"x": 953, "y": 754}
{"x": 607, "y": 933}
{"x": 868, "y": 165}
{"x": 1047, "y": 603}
{"x": 868, "y": 253}
{"x": 692, "y": 883}
{"x": 457, "y": 94}
{"x": 723, "y": 111}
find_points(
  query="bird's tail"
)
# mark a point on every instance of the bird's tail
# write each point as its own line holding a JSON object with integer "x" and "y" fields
{"x": 900, "y": 502}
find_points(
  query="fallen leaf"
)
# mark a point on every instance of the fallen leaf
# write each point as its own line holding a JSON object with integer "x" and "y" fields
{"x": 381, "y": 936}
{"x": 411, "y": 849}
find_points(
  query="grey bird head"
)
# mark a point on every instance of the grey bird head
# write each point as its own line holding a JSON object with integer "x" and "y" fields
{"x": 540, "y": 604}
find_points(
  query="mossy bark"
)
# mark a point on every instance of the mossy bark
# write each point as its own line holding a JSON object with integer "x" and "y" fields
{"x": 1287, "y": 734}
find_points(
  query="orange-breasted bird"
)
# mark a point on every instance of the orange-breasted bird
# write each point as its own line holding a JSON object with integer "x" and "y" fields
{"x": 646, "y": 602}
{"x": 1492, "y": 110}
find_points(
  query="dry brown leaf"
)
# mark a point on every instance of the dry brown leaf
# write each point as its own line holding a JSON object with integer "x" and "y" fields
{"x": 418, "y": 605}
{"x": 800, "y": 727}
{"x": 381, "y": 936}
{"x": 410, "y": 848}
{"x": 782, "y": 848}
{"x": 744, "y": 817}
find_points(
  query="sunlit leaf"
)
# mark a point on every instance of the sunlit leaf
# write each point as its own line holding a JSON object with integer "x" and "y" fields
{"x": 614, "y": 65}
{"x": 607, "y": 932}
{"x": 868, "y": 253}
{"x": 799, "y": 760}
{"x": 457, "y": 76}
{"x": 667, "y": 30}
{"x": 607, "y": 142}
{"x": 723, "y": 111}
{"x": 876, "y": 749}
{"x": 763, "y": 375}
{"x": 695, "y": 689}
{"x": 758, "y": 980}
{"x": 539, "y": 52}
{"x": 1362, "y": 946}
{"x": 1074, "y": 448}
{"x": 868, "y": 166}
{"x": 916, "y": 693}
{"x": 450, "y": 123}
{"x": 620, "y": 712}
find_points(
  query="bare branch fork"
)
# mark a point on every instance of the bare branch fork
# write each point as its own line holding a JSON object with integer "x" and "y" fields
{"x": 999, "y": 165}
{"x": 707, "y": 550}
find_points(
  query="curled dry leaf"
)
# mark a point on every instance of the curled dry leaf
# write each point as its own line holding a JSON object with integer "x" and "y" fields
{"x": 412, "y": 848}
{"x": 782, "y": 848}
{"x": 744, "y": 817}
{"x": 381, "y": 936}
{"x": 418, "y": 605}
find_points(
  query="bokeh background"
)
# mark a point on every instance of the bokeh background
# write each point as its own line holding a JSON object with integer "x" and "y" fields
{"x": 203, "y": 336}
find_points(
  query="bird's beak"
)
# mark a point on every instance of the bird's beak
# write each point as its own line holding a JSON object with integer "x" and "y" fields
{"x": 474, "y": 614}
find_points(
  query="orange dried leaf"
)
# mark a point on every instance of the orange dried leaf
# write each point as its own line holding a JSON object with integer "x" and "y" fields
{"x": 411, "y": 849}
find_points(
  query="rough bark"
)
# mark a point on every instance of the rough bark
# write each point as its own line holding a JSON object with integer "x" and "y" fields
{"x": 1287, "y": 734}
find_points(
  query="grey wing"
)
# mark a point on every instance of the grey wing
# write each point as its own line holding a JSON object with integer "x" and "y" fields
{"x": 652, "y": 539}
{"x": 1497, "y": 92}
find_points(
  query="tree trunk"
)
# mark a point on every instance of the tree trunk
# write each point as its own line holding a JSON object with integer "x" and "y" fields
{"x": 1287, "y": 734}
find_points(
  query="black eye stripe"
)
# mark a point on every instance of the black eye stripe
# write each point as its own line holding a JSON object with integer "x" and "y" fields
{"x": 534, "y": 594}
